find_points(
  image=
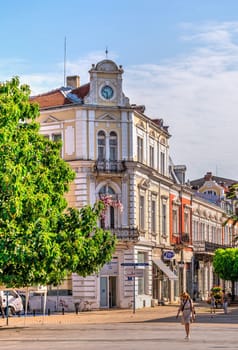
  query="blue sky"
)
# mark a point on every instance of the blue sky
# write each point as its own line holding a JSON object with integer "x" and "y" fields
{"x": 180, "y": 59}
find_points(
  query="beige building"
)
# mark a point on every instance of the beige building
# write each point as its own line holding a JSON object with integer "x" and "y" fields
{"x": 118, "y": 153}
{"x": 121, "y": 156}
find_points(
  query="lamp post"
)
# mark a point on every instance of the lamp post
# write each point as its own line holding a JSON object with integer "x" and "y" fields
{"x": 181, "y": 267}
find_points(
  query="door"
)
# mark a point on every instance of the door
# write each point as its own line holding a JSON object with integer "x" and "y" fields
{"x": 104, "y": 292}
{"x": 112, "y": 291}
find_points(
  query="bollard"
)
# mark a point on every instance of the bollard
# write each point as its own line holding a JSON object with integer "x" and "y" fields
{"x": 34, "y": 312}
{"x": 62, "y": 311}
{"x": 76, "y": 308}
{"x": 48, "y": 312}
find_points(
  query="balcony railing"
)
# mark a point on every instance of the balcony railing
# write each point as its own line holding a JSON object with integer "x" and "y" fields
{"x": 125, "y": 234}
{"x": 109, "y": 166}
{"x": 208, "y": 247}
{"x": 185, "y": 238}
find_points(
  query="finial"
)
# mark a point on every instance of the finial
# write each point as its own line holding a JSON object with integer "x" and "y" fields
{"x": 106, "y": 52}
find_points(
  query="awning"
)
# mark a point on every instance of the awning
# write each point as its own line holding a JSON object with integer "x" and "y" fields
{"x": 166, "y": 270}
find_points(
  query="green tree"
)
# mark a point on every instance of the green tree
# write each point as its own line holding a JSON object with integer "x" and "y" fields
{"x": 40, "y": 239}
{"x": 225, "y": 264}
{"x": 233, "y": 195}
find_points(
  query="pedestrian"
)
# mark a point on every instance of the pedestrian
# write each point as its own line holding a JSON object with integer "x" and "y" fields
{"x": 188, "y": 313}
{"x": 1, "y": 306}
{"x": 213, "y": 304}
{"x": 225, "y": 302}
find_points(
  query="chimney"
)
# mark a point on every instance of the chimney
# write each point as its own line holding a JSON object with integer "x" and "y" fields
{"x": 73, "y": 81}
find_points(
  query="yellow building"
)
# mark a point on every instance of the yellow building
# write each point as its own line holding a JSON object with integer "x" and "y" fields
{"x": 119, "y": 153}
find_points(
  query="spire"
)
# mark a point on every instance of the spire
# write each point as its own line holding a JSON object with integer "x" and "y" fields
{"x": 106, "y": 52}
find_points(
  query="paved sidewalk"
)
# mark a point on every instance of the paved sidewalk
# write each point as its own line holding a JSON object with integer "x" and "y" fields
{"x": 149, "y": 328}
{"x": 154, "y": 314}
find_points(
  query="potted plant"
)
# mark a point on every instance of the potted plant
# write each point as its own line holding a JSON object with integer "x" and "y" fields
{"x": 217, "y": 292}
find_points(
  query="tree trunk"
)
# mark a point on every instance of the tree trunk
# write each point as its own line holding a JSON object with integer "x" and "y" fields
{"x": 232, "y": 290}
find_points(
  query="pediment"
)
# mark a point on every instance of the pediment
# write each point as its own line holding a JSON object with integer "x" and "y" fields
{"x": 50, "y": 119}
{"x": 140, "y": 124}
{"x": 107, "y": 117}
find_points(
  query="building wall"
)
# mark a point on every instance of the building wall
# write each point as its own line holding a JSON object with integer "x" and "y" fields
{"x": 150, "y": 198}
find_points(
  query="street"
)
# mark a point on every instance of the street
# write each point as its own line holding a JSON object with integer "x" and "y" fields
{"x": 164, "y": 332}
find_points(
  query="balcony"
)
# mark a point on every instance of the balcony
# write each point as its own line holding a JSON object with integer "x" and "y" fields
{"x": 125, "y": 233}
{"x": 185, "y": 238}
{"x": 208, "y": 247}
{"x": 109, "y": 166}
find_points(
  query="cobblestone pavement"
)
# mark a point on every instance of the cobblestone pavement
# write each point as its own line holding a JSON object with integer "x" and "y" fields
{"x": 149, "y": 328}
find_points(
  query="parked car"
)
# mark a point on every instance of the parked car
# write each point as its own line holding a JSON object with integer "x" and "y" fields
{"x": 12, "y": 302}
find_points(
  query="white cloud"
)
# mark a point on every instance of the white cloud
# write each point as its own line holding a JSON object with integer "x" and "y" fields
{"x": 196, "y": 95}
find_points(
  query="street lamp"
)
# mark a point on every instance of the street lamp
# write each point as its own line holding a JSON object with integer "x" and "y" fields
{"x": 181, "y": 266}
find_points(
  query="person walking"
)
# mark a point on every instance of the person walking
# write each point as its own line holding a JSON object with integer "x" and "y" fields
{"x": 225, "y": 302}
{"x": 1, "y": 305}
{"x": 188, "y": 313}
{"x": 213, "y": 304}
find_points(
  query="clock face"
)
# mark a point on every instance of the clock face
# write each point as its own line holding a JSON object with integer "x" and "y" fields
{"x": 107, "y": 92}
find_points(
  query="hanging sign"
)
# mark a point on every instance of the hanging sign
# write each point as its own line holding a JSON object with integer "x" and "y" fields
{"x": 168, "y": 254}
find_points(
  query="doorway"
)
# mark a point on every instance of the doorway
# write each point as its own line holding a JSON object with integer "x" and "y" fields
{"x": 112, "y": 291}
{"x": 108, "y": 291}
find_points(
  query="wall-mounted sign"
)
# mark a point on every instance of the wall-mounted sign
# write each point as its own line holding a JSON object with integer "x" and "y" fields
{"x": 168, "y": 254}
{"x": 110, "y": 269}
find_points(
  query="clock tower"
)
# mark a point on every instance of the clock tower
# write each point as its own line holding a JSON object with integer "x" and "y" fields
{"x": 106, "y": 85}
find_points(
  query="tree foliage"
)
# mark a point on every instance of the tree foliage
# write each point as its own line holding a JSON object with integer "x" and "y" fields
{"x": 225, "y": 263}
{"x": 40, "y": 239}
{"x": 233, "y": 195}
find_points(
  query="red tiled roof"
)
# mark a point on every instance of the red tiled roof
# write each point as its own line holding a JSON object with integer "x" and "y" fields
{"x": 50, "y": 99}
{"x": 81, "y": 91}
{"x": 59, "y": 97}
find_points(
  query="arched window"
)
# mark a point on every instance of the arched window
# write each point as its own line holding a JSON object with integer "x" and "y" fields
{"x": 108, "y": 220}
{"x": 113, "y": 146}
{"x": 101, "y": 145}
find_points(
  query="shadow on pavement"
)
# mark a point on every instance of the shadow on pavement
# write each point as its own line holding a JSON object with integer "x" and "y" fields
{"x": 205, "y": 317}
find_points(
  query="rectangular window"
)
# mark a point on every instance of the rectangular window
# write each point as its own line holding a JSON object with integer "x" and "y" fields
{"x": 186, "y": 222}
{"x": 175, "y": 221}
{"x": 164, "y": 219}
{"x": 153, "y": 216}
{"x": 56, "y": 137}
{"x": 152, "y": 157}
{"x": 162, "y": 163}
{"x": 139, "y": 149}
{"x": 158, "y": 156}
{"x": 142, "y": 213}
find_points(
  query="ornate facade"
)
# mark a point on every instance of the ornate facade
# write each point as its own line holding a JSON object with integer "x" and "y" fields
{"x": 121, "y": 155}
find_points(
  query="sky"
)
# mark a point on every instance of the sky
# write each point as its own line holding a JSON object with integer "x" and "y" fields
{"x": 180, "y": 60}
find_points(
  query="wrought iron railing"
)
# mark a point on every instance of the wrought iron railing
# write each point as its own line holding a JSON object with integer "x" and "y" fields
{"x": 185, "y": 238}
{"x": 109, "y": 166}
{"x": 209, "y": 247}
{"x": 125, "y": 233}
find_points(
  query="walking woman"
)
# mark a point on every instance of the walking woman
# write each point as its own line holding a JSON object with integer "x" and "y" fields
{"x": 188, "y": 312}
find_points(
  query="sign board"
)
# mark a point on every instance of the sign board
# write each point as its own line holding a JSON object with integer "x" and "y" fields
{"x": 110, "y": 269}
{"x": 134, "y": 272}
{"x": 135, "y": 264}
{"x": 139, "y": 273}
{"x": 129, "y": 271}
{"x": 168, "y": 254}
